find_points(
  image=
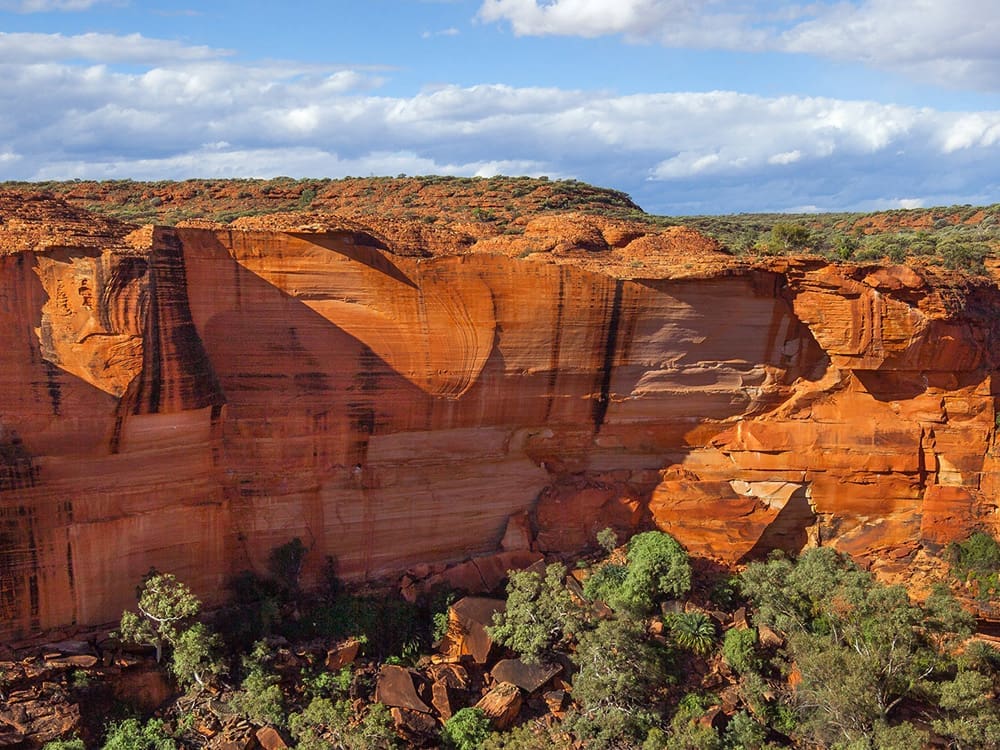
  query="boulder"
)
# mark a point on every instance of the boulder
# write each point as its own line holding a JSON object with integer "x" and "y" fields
{"x": 396, "y": 689}
{"x": 528, "y": 677}
{"x": 502, "y": 704}
{"x": 468, "y": 619}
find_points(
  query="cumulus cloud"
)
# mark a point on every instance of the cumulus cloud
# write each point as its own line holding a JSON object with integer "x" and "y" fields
{"x": 952, "y": 42}
{"x": 202, "y": 114}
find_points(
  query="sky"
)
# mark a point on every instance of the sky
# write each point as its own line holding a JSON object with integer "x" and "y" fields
{"x": 690, "y": 106}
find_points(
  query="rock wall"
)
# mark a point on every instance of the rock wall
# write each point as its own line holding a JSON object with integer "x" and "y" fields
{"x": 192, "y": 404}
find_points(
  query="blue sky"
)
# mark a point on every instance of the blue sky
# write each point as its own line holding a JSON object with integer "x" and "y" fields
{"x": 691, "y": 106}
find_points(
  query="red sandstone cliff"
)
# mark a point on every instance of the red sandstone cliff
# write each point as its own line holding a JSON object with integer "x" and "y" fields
{"x": 189, "y": 398}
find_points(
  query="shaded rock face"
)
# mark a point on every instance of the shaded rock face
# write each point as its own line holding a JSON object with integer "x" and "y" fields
{"x": 196, "y": 404}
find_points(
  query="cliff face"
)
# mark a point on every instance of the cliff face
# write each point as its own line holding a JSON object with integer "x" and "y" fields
{"x": 191, "y": 398}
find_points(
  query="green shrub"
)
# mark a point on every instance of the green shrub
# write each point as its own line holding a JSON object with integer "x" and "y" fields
{"x": 739, "y": 647}
{"x": 466, "y": 730}
{"x": 132, "y": 734}
{"x": 693, "y": 631}
{"x": 540, "y": 613}
{"x": 71, "y": 744}
{"x": 977, "y": 560}
{"x": 658, "y": 568}
{"x": 605, "y": 583}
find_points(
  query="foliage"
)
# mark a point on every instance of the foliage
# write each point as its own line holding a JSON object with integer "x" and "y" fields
{"x": 693, "y": 631}
{"x": 972, "y": 716}
{"x": 658, "y": 568}
{"x": 619, "y": 669}
{"x": 540, "y": 613}
{"x": 331, "y": 724}
{"x": 786, "y": 236}
{"x": 165, "y": 606}
{"x": 259, "y": 698}
{"x": 605, "y": 583}
{"x": 384, "y": 624}
{"x": 977, "y": 561}
{"x": 196, "y": 656}
{"x": 607, "y": 539}
{"x": 687, "y": 732}
{"x": 744, "y": 732}
{"x": 859, "y": 647}
{"x": 320, "y": 724}
{"x": 325, "y": 684}
{"x": 467, "y": 729}
{"x": 530, "y": 736}
{"x": 71, "y": 744}
{"x": 739, "y": 648}
{"x": 132, "y": 734}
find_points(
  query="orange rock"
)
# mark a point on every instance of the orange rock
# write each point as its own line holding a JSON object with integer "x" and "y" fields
{"x": 395, "y": 688}
{"x": 502, "y": 704}
{"x": 468, "y": 619}
{"x": 270, "y": 739}
{"x": 200, "y": 395}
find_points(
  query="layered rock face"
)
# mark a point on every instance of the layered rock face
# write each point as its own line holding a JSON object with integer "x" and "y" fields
{"x": 190, "y": 398}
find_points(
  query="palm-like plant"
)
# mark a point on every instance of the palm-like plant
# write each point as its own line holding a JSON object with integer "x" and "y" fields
{"x": 693, "y": 631}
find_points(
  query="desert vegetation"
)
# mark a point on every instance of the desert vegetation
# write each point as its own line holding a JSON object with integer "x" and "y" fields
{"x": 638, "y": 647}
{"x": 960, "y": 238}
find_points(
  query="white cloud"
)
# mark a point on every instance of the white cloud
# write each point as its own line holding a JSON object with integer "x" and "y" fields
{"x": 25, "y": 47}
{"x": 952, "y": 42}
{"x": 451, "y": 31}
{"x": 44, "y": 6}
{"x": 678, "y": 152}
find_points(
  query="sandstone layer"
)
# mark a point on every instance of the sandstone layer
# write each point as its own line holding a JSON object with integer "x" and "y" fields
{"x": 189, "y": 398}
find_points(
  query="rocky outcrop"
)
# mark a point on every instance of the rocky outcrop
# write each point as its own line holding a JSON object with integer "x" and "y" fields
{"x": 190, "y": 398}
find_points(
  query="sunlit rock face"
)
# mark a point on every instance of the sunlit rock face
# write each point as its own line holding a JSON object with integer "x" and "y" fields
{"x": 187, "y": 399}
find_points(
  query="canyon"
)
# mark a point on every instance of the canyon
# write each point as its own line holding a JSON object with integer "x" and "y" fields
{"x": 400, "y": 394}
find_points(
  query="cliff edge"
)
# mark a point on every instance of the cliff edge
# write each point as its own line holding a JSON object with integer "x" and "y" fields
{"x": 393, "y": 392}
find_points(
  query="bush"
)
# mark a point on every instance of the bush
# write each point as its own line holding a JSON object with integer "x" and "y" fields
{"x": 605, "y": 583}
{"x": 739, "y": 648}
{"x": 693, "y": 631}
{"x": 619, "y": 669}
{"x": 977, "y": 560}
{"x": 540, "y": 613}
{"x": 259, "y": 698}
{"x": 72, "y": 744}
{"x": 466, "y": 730}
{"x": 132, "y": 734}
{"x": 658, "y": 568}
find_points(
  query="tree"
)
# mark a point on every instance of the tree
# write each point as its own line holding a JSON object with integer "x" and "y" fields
{"x": 285, "y": 565}
{"x": 739, "y": 648}
{"x": 786, "y": 236}
{"x": 540, "y": 613}
{"x": 195, "y": 658}
{"x": 972, "y": 716}
{"x": 607, "y": 539}
{"x": 166, "y": 606}
{"x": 618, "y": 671}
{"x": 859, "y": 647}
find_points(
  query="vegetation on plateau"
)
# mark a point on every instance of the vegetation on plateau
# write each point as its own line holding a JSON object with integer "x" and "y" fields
{"x": 956, "y": 237}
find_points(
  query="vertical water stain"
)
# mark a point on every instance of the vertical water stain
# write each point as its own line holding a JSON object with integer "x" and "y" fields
{"x": 600, "y": 406}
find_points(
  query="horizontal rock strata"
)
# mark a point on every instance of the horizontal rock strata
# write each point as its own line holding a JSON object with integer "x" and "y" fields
{"x": 190, "y": 398}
